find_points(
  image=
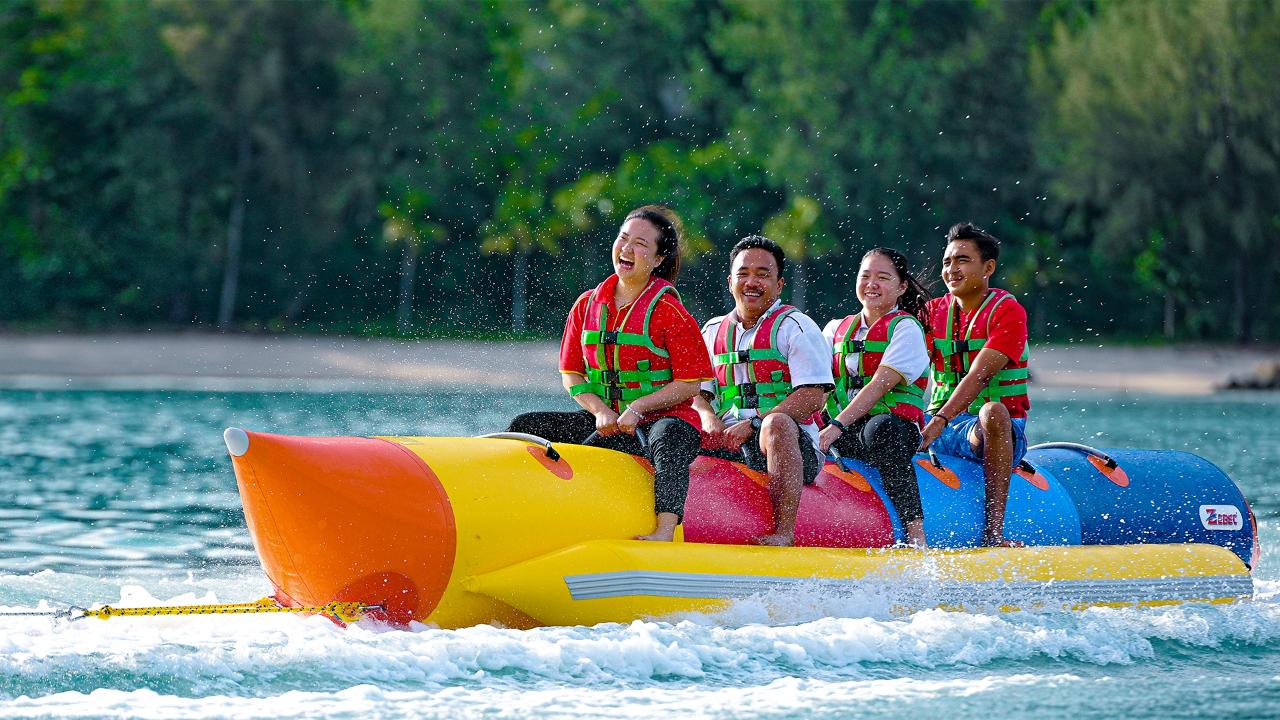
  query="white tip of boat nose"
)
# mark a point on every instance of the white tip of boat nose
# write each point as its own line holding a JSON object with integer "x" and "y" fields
{"x": 237, "y": 441}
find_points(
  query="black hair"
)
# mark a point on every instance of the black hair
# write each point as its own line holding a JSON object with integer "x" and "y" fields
{"x": 759, "y": 241}
{"x": 988, "y": 245}
{"x": 670, "y": 232}
{"x": 916, "y": 296}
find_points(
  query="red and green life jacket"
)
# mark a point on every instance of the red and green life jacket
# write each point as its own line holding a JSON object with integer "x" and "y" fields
{"x": 906, "y": 400}
{"x": 624, "y": 365}
{"x": 768, "y": 375}
{"x": 953, "y": 356}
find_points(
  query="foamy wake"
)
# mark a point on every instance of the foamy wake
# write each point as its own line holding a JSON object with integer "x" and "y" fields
{"x": 700, "y": 666}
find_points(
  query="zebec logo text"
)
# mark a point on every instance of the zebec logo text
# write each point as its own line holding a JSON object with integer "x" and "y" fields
{"x": 1221, "y": 517}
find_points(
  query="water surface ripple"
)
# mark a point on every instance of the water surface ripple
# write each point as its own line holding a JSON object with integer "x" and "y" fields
{"x": 129, "y": 498}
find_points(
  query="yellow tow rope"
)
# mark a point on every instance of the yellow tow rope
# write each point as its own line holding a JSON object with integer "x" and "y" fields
{"x": 344, "y": 611}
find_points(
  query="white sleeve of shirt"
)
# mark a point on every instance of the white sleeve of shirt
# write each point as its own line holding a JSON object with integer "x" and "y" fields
{"x": 829, "y": 332}
{"x": 807, "y": 351}
{"x": 709, "y": 337}
{"x": 907, "y": 352}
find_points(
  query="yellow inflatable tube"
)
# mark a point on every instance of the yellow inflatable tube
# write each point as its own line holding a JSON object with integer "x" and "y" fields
{"x": 604, "y": 581}
{"x": 464, "y": 531}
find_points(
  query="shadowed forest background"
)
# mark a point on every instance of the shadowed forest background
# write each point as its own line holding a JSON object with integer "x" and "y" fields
{"x": 460, "y": 168}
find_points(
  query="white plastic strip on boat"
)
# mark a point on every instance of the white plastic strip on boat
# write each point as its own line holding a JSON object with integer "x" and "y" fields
{"x": 923, "y": 592}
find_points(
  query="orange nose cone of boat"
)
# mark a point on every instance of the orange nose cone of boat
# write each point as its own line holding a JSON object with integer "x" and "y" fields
{"x": 346, "y": 519}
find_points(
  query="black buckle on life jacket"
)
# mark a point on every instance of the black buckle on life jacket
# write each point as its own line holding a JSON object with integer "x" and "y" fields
{"x": 613, "y": 394}
{"x": 855, "y": 382}
{"x": 855, "y": 346}
{"x": 747, "y": 393}
{"x": 609, "y": 337}
{"x": 611, "y": 377}
{"x": 965, "y": 346}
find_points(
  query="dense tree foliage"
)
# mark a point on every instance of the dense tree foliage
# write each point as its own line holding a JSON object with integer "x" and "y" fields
{"x": 452, "y": 166}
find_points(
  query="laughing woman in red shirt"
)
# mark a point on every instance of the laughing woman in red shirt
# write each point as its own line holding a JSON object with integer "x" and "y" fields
{"x": 632, "y": 356}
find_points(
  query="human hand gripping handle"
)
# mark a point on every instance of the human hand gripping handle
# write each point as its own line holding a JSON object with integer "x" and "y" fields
{"x": 981, "y": 370}
{"x": 606, "y": 421}
{"x": 830, "y": 434}
{"x": 629, "y": 419}
{"x": 738, "y": 433}
{"x": 932, "y": 430}
{"x": 712, "y": 425}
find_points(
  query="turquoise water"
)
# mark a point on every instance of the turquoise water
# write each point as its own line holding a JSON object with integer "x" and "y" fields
{"x": 129, "y": 498}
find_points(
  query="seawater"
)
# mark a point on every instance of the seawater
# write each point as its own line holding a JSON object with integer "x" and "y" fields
{"x": 128, "y": 498}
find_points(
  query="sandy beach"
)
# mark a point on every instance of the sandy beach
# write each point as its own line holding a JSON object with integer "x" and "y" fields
{"x": 207, "y": 361}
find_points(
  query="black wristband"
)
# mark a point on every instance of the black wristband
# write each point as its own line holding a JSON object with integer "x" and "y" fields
{"x": 945, "y": 420}
{"x": 756, "y": 422}
{"x": 838, "y": 424}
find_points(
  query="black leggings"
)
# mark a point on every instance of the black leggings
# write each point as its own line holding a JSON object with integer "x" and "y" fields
{"x": 888, "y": 443}
{"x": 673, "y": 445}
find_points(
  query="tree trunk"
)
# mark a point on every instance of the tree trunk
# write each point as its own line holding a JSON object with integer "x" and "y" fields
{"x": 180, "y": 305}
{"x": 235, "y": 234}
{"x": 519, "y": 290}
{"x": 798, "y": 288}
{"x": 1170, "y": 315}
{"x": 408, "y": 273}
{"x": 1240, "y": 309}
{"x": 299, "y": 301}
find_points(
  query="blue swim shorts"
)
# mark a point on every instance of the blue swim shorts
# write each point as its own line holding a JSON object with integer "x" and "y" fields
{"x": 954, "y": 439}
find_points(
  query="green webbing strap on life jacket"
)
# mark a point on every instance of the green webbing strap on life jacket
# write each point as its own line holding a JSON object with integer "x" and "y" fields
{"x": 1006, "y": 382}
{"x": 737, "y": 357}
{"x": 609, "y": 384}
{"x": 761, "y": 396}
{"x": 757, "y": 394}
{"x": 847, "y": 385}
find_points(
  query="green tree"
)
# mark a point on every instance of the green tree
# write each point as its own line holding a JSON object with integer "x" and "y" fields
{"x": 420, "y": 86}
{"x": 272, "y": 77}
{"x": 101, "y": 162}
{"x": 898, "y": 118}
{"x": 1166, "y": 124}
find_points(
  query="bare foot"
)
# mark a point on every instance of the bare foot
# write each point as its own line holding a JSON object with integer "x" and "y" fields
{"x": 776, "y": 540}
{"x": 665, "y": 530}
{"x": 1003, "y": 542}
{"x": 915, "y": 535}
{"x": 659, "y": 535}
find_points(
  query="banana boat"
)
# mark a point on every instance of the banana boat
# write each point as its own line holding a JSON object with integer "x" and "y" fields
{"x": 510, "y": 530}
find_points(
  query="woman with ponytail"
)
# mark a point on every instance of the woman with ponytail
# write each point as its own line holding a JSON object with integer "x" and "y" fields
{"x": 879, "y": 361}
{"x": 632, "y": 357}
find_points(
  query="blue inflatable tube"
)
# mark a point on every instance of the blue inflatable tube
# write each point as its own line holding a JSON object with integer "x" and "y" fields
{"x": 1066, "y": 494}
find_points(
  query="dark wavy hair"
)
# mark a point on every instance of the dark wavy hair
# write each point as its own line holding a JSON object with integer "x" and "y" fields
{"x": 915, "y": 297}
{"x": 670, "y": 235}
{"x": 763, "y": 243}
{"x": 988, "y": 245}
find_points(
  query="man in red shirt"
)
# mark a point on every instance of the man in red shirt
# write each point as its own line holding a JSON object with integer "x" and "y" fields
{"x": 978, "y": 348}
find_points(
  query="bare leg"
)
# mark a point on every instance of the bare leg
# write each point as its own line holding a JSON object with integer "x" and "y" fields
{"x": 665, "y": 530}
{"x": 996, "y": 445}
{"x": 915, "y": 535}
{"x": 780, "y": 442}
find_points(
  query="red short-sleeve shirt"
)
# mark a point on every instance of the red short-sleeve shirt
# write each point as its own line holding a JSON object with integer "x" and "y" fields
{"x": 1008, "y": 335}
{"x": 671, "y": 327}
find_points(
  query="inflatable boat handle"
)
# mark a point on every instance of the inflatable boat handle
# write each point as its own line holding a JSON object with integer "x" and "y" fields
{"x": 552, "y": 454}
{"x": 1105, "y": 458}
{"x": 933, "y": 458}
{"x": 641, "y": 435}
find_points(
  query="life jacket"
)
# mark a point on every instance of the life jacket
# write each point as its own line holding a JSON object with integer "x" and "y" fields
{"x": 623, "y": 365}
{"x": 952, "y": 358}
{"x": 906, "y": 400}
{"x": 769, "y": 376}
